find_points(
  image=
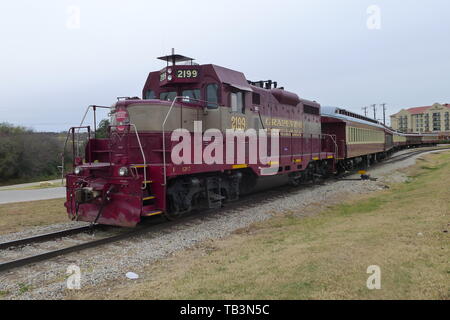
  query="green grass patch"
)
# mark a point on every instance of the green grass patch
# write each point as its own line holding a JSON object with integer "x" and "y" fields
{"x": 23, "y": 288}
{"x": 3, "y": 293}
{"x": 360, "y": 207}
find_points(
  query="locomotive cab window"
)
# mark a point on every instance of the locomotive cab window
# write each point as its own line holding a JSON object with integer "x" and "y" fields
{"x": 256, "y": 98}
{"x": 237, "y": 102}
{"x": 212, "y": 96}
{"x": 168, "y": 96}
{"x": 191, "y": 94}
{"x": 150, "y": 94}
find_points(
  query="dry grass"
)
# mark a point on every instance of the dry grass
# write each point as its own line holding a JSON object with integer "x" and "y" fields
{"x": 324, "y": 256}
{"x": 16, "y": 217}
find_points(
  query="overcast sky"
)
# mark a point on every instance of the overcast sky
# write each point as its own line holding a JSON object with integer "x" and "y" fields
{"x": 51, "y": 67}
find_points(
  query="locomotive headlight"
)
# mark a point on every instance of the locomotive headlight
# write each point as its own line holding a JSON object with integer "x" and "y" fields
{"x": 169, "y": 70}
{"x": 78, "y": 170}
{"x": 123, "y": 171}
{"x": 169, "y": 78}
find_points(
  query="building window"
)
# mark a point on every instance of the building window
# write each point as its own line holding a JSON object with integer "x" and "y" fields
{"x": 403, "y": 123}
{"x": 436, "y": 121}
{"x": 427, "y": 122}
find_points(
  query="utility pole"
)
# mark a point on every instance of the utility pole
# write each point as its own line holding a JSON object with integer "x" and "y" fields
{"x": 374, "y": 106}
{"x": 365, "y": 110}
{"x": 384, "y": 112}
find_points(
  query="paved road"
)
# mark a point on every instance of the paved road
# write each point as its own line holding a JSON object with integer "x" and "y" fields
{"x": 11, "y": 196}
{"x": 56, "y": 183}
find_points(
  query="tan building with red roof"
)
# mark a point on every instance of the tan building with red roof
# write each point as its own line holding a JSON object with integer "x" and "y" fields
{"x": 433, "y": 118}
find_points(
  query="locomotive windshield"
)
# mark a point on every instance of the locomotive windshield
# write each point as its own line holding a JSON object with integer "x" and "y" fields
{"x": 191, "y": 94}
{"x": 150, "y": 94}
{"x": 168, "y": 96}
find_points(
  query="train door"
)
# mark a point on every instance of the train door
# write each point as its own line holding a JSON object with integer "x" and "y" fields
{"x": 337, "y": 128}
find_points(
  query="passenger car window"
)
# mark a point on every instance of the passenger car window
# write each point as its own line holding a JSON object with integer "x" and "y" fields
{"x": 168, "y": 96}
{"x": 212, "y": 96}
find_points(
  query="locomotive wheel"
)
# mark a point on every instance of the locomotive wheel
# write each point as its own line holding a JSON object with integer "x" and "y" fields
{"x": 171, "y": 216}
{"x": 173, "y": 212}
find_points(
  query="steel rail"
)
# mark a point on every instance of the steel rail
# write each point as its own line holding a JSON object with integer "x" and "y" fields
{"x": 391, "y": 160}
{"x": 248, "y": 200}
{"x": 46, "y": 237}
{"x": 77, "y": 248}
{"x": 405, "y": 156}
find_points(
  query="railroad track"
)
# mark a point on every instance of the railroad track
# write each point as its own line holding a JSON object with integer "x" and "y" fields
{"x": 153, "y": 225}
{"x": 408, "y": 155}
{"x": 48, "y": 236}
{"x": 156, "y": 224}
{"x": 123, "y": 235}
{"x": 390, "y": 160}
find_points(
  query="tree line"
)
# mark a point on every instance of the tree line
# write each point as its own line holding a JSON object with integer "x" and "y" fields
{"x": 26, "y": 155}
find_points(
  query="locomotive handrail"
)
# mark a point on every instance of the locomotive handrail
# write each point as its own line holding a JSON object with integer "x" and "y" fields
{"x": 143, "y": 156}
{"x": 164, "y": 137}
{"x": 94, "y": 107}
{"x": 142, "y": 151}
{"x": 336, "y": 148}
{"x": 72, "y": 130}
{"x": 62, "y": 157}
{"x": 164, "y": 131}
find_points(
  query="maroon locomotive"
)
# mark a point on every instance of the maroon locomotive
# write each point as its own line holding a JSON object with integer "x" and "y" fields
{"x": 131, "y": 174}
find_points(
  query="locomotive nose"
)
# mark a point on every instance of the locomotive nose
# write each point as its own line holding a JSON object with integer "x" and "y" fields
{"x": 86, "y": 194}
{"x": 111, "y": 200}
